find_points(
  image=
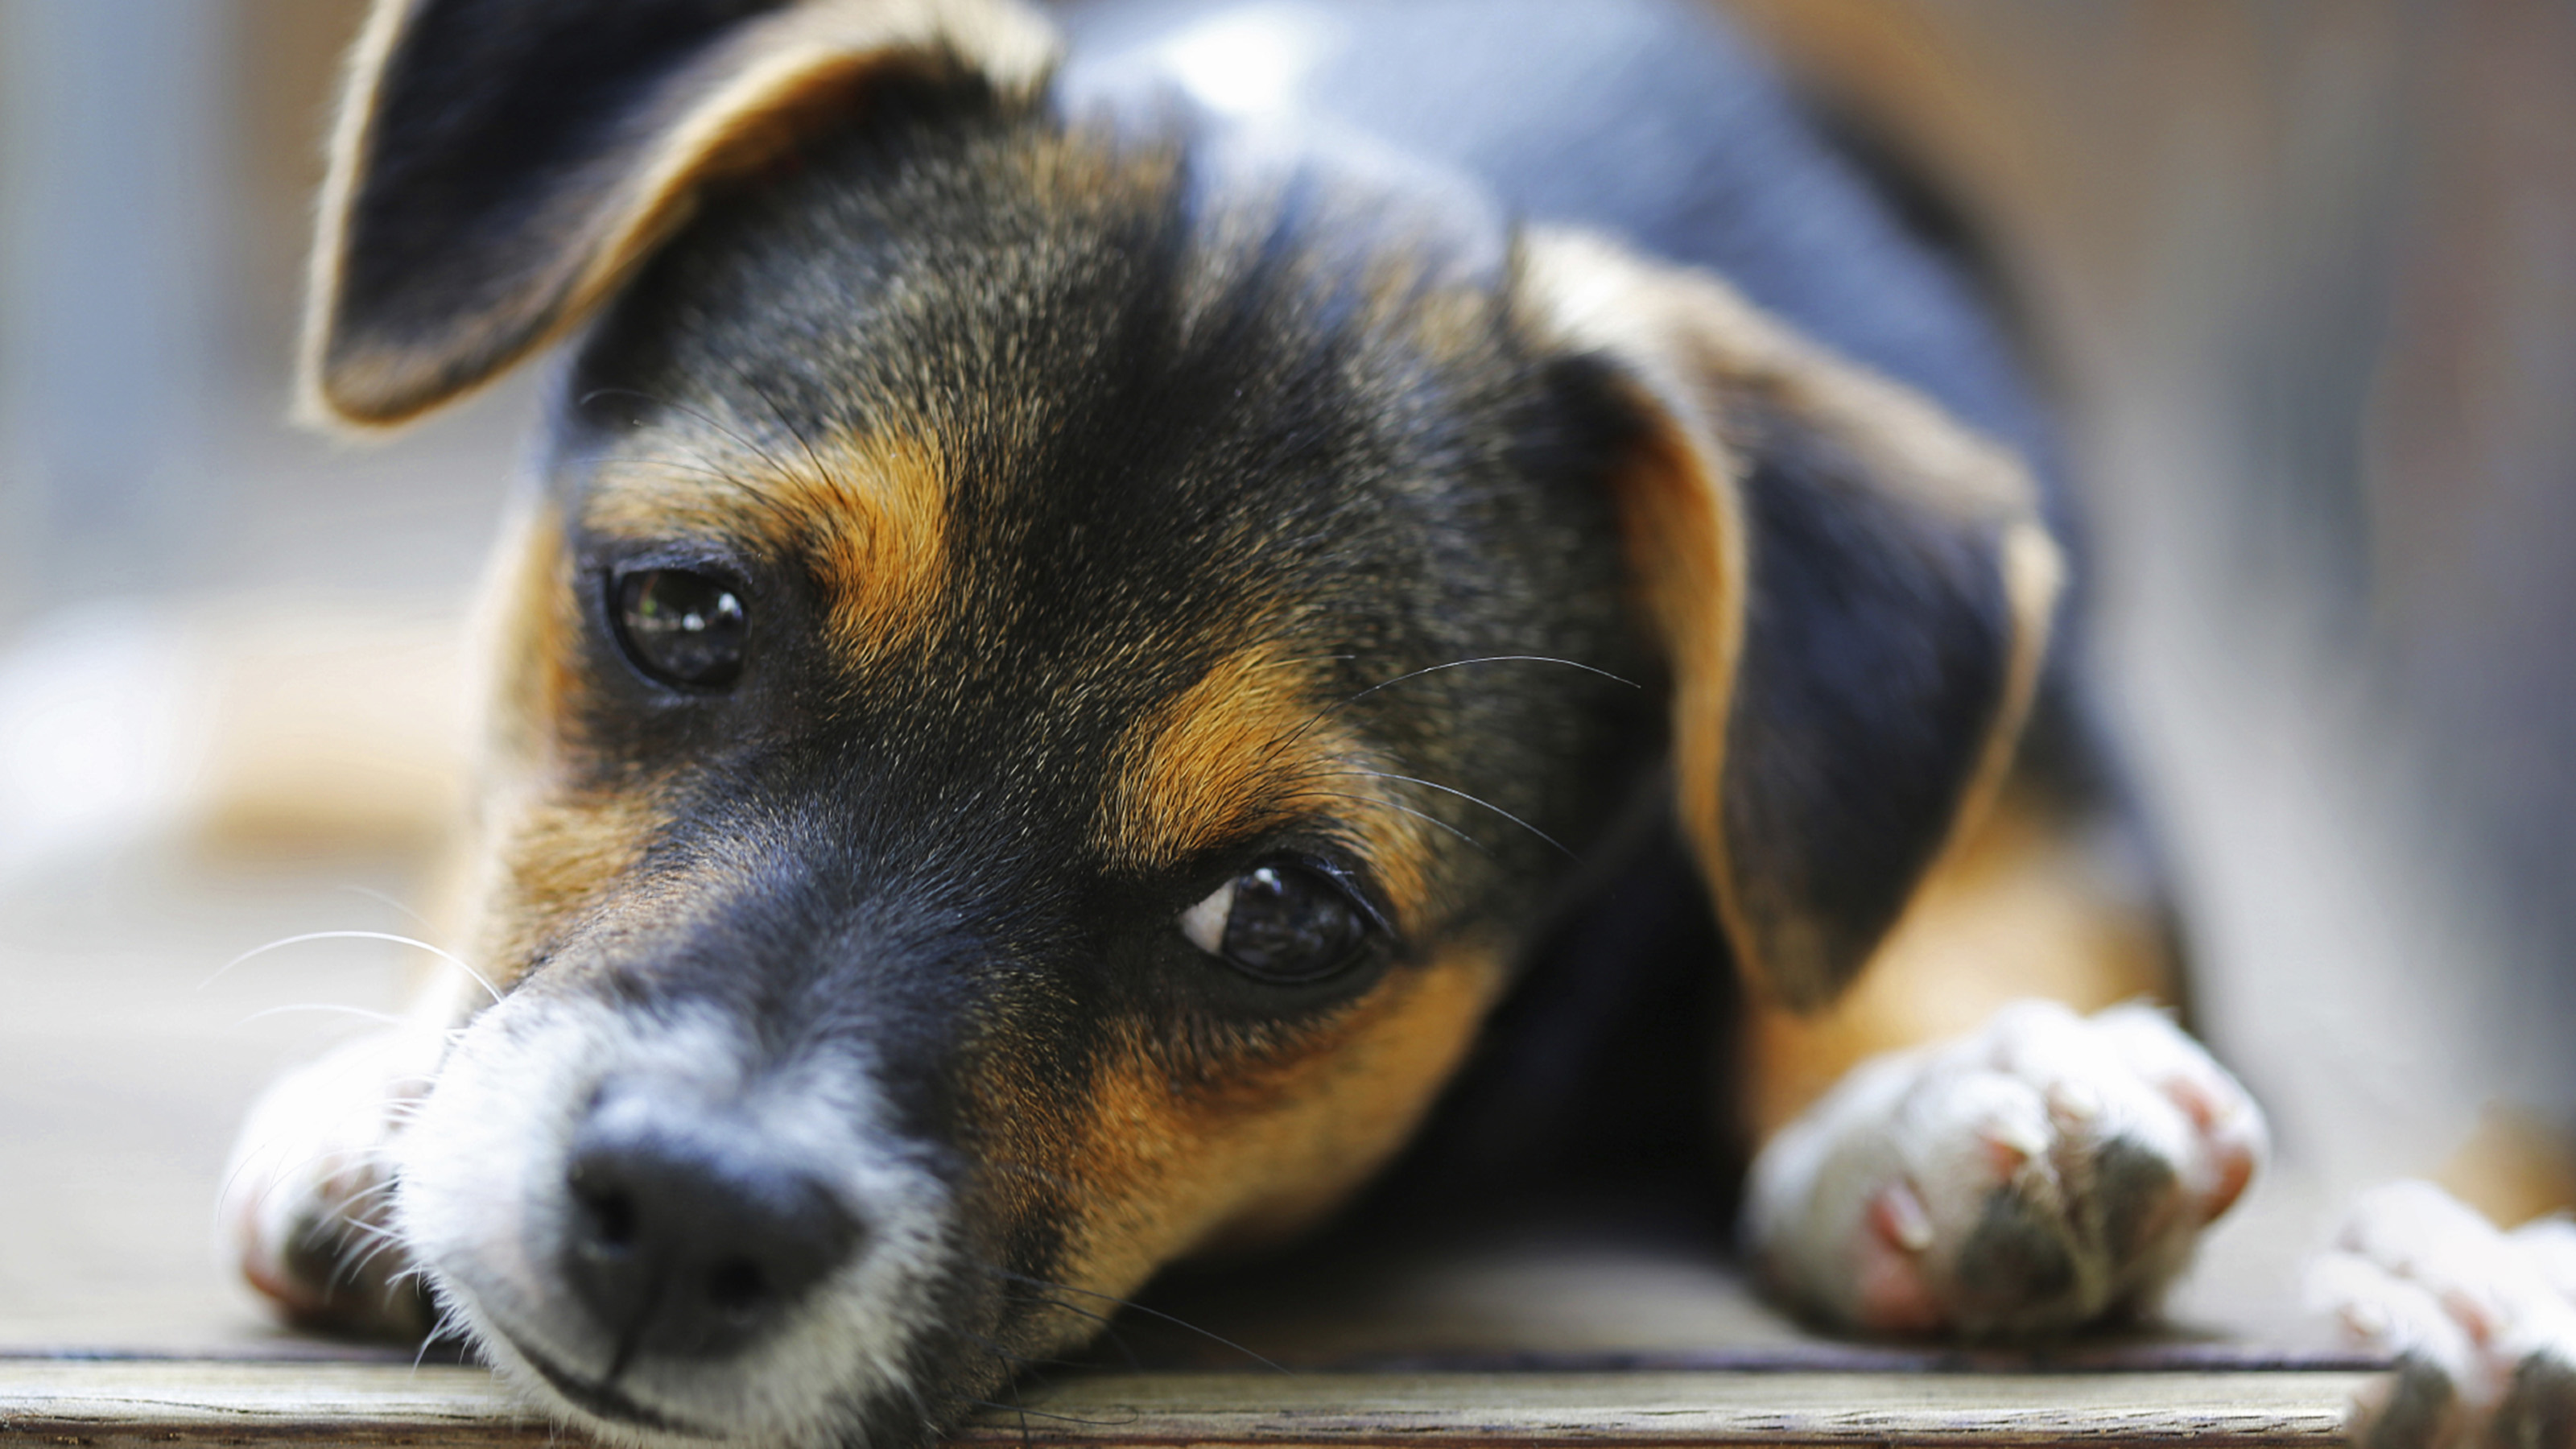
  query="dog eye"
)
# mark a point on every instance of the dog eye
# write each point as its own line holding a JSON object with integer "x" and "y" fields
{"x": 1280, "y": 923}
{"x": 681, "y": 627}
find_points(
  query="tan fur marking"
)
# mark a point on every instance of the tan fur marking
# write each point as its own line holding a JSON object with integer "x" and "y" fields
{"x": 1170, "y": 1164}
{"x": 548, "y": 864}
{"x": 889, "y": 565}
{"x": 528, "y": 626}
{"x": 1905, "y": 442}
{"x": 2019, "y": 907}
{"x": 1247, "y": 747}
{"x": 1204, "y": 767}
{"x": 734, "y": 109}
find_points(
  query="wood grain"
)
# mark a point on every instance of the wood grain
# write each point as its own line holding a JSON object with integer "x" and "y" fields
{"x": 185, "y": 1402}
{"x": 198, "y": 1402}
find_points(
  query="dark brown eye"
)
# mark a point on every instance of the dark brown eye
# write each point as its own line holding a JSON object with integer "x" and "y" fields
{"x": 680, "y": 627}
{"x": 1280, "y": 923}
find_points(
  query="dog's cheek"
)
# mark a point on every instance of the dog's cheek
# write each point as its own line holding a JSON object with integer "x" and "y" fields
{"x": 547, "y": 848}
{"x": 529, "y": 632}
{"x": 548, "y": 865}
{"x": 1170, "y": 1164}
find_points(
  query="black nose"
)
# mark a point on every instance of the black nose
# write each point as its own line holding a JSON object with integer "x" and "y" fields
{"x": 690, "y": 1234}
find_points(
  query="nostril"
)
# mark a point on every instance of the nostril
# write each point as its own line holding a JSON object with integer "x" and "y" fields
{"x": 687, "y": 1234}
{"x": 737, "y": 1287}
{"x": 607, "y": 1214}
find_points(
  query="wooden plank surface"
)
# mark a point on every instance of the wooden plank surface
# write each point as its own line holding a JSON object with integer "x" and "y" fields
{"x": 182, "y": 1402}
{"x": 1685, "y": 1408}
{"x": 197, "y": 1402}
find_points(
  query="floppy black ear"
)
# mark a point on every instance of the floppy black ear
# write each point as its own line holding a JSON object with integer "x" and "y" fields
{"x": 1852, "y": 590}
{"x": 500, "y": 166}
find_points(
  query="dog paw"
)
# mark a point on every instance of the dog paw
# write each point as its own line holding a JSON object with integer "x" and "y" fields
{"x": 307, "y": 1194}
{"x": 2049, "y": 1170}
{"x": 2482, "y": 1323}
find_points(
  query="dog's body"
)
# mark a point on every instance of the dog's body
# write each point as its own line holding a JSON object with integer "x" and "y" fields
{"x": 1085, "y": 632}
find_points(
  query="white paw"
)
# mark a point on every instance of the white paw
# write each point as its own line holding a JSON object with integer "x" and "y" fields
{"x": 2045, "y": 1172}
{"x": 2482, "y": 1322}
{"x": 307, "y": 1194}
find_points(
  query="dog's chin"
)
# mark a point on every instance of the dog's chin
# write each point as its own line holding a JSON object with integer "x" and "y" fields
{"x": 762, "y": 1397}
{"x": 601, "y": 1400}
{"x": 485, "y": 1206}
{"x": 601, "y": 1408}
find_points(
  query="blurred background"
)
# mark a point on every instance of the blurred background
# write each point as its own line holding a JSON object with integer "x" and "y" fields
{"x": 2303, "y": 273}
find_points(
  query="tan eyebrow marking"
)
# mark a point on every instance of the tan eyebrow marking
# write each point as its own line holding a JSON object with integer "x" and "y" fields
{"x": 885, "y": 555}
{"x": 871, "y": 511}
{"x": 1246, "y": 748}
{"x": 1206, "y": 764}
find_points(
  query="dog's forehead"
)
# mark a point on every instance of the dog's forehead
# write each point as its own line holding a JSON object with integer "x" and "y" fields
{"x": 1105, "y": 487}
{"x": 1028, "y": 383}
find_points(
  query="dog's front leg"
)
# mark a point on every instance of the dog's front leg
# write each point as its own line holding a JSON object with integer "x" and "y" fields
{"x": 308, "y": 1194}
{"x": 2040, "y": 1169}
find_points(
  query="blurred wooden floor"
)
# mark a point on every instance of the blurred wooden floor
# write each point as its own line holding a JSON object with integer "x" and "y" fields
{"x": 124, "y": 1069}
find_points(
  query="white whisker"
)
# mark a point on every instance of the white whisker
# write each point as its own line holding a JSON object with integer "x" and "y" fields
{"x": 415, "y": 942}
{"x": 1400, "y": 808}
{"x": 373, "y": 894}
{"x": 1463, "y": 795}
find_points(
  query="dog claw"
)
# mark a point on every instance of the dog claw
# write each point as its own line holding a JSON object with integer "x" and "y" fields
{"x": 2011, "y": 1145}
{"x": 1899, "y": 1217}
{"x": 2073, "y": 1103}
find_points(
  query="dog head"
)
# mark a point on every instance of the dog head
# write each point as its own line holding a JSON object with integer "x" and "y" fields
{"x": 1050, "y": 665}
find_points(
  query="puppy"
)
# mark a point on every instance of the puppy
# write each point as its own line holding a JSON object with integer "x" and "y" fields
{"x": 1085, "y": 629}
